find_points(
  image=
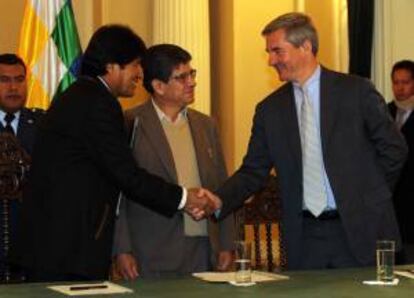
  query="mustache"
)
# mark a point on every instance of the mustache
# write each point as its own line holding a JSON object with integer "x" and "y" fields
{"x": 13, "y": 96}
{"x": 279, "y": 66}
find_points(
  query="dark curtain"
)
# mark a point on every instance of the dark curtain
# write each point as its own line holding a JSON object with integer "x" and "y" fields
{"x": 360, "y": 31}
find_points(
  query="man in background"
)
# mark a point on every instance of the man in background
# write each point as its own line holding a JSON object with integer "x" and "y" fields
{"x": 20, "y": 122}
{"x": 402, "y": 77}
{"x": 81, "y": 161}
{"x": 14, "y": 117}
{"x": 182, "y": 146}
{"x": 335, "y": 149}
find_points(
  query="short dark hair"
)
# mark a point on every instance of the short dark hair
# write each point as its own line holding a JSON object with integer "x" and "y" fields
{"x": 160, "y": 61}
{"x": 12, "y": 59}
{"x": 111, "y": 44}
{"x": 298, "y": 28}
{"x": 403, "y": 64}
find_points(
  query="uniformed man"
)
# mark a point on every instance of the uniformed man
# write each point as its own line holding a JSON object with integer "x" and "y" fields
{"x": 19, "y": 121}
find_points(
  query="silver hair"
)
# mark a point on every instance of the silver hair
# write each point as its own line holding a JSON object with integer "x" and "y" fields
{"x": 298, "y": 28}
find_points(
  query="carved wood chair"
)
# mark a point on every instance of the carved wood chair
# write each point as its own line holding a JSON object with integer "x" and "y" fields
{"x": 14, "y": 165}
{"x": 260, "y": 220}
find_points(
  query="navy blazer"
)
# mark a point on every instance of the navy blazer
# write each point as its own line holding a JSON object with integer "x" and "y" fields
{"x": 26, "y": 128}
{"x": 404, "y": 190}
{"x": 26, "y": 132}
{"x": 363, "y": 154}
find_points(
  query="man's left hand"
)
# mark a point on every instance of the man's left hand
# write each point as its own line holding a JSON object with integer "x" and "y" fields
{"x": 225, "y": 260}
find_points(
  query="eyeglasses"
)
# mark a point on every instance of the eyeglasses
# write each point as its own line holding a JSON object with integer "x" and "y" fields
{"x": 183, "y": 77}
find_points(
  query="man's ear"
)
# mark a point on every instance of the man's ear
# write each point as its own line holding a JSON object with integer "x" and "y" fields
{"x": 307, "y": 45}
{"x": 158, "y": 86}
{"x": 110, "y": 67}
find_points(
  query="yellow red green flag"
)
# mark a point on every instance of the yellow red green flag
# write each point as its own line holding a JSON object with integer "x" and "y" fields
{"x": 50, "y": 47}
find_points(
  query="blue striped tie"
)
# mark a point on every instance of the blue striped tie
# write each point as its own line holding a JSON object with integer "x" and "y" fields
{"x": 314, "y": 193}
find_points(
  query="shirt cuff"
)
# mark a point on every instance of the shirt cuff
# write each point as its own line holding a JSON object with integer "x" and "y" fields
{"x": 183, "y": 199}
{"x": 217, "y": 213}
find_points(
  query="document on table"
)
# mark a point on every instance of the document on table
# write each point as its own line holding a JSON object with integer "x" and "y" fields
{"x": 405, "y": 272}
{"x": 257, "y": 276}
{"x": 85, "y": 289}
{"x": 393, "y": 282}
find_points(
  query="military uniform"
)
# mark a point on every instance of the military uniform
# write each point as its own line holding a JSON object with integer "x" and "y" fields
{"x": 26, "y": 132}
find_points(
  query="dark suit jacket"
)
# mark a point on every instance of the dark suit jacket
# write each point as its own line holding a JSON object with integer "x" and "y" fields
{"x": 362, "y": 151}
{"x": 81, "y": 161}
{"x": 404, "y": 191}
{"x": 26, "y": 132}
{"x": 26, "y": 129}
{"x": 156, "y": 241}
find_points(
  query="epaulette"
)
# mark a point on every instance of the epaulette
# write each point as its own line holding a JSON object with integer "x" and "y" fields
{"x": 37, "y": 111}
{"x": 35, "y": 114}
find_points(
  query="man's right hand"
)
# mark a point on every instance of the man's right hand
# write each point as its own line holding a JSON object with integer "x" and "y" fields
{"x": 127, "y": 266}
{"x": 201, "y": 203}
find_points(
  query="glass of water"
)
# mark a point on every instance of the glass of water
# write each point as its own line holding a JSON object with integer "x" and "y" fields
{"x": 243, "y": 262}
{"x": 385, "y": 260}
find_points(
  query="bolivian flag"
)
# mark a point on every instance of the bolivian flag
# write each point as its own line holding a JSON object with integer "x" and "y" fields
{"x": 50, "y": 47}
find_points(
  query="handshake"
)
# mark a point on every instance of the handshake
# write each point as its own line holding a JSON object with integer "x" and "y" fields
{"x": 201, "y": 203}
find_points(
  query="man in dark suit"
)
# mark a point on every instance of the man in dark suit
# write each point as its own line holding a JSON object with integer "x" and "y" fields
{"x": 81, "y": 161}
{"x": 182, "y": 146}
{"x": 13, "y": 92}
{"x": 19, "y": 121}
{"x": 335, "y": 150}
{"x": 401, "y": 108}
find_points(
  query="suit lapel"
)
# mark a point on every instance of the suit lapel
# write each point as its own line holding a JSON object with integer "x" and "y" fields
{"x": 201, "y": 144}
{"x": 328, "y": 107}
{"x": 408, "y": 124}
{"x": 291, "y": 122}
{"x": 393, "y": 110}
{"x": 25, "y": 126}
{"x": 152, "y": 127}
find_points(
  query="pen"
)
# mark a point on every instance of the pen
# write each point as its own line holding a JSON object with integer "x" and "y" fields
{"x": 91, "y": 287}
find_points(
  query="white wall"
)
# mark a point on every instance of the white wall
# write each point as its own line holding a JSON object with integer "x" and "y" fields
{"x": 393, "y": 40}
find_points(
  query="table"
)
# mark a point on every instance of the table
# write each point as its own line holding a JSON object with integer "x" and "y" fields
{"x": 328, "y": 283}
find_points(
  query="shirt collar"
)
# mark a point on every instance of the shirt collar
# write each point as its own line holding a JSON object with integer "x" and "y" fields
{"x": 312, "y": 80}
{"x": 3, "y": 113}
{"x": 104, "y": 83}
{"x": 162, "y": 115}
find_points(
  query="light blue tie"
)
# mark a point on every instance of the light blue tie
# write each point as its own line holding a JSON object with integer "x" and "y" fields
{"x": 314, "y": 193}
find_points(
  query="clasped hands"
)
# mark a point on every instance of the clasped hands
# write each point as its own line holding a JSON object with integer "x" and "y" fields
{"x": 201, "y": 203}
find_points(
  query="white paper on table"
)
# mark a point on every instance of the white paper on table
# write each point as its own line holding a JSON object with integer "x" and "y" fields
{"x": 108, "y": 288}
{"x": 405, "y": 272}
{"x": 257, "y": 276}
{"x": 381, "y": 283}
{"x": 244, "y": 284}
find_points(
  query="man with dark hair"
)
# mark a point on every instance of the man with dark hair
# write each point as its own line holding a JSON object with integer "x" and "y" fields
{"x": 15, "y": 118}
{"x": 401, "y": 108}
{"x": 81, "y": 161}
{"x": 19, "y": 121}
{"x": 182, "y": 146}
{"x": 335, "y": 149}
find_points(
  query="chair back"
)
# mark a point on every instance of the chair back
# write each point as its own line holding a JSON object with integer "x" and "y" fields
{"x": 260, "y": 220}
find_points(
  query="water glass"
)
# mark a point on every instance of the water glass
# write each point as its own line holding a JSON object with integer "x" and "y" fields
{"x": 385, "y": 260}
{"x": 243, "y": 262}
